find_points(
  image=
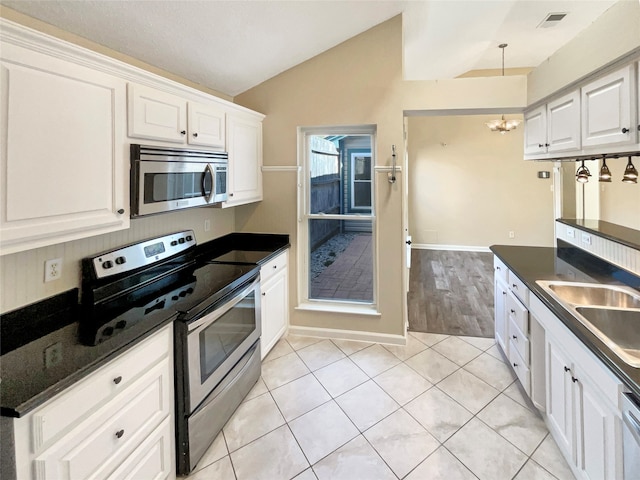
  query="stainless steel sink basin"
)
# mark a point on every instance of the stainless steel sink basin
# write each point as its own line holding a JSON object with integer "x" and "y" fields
{"x": 618, "y": 328}
{"x": 610, "y": 312}
{"x": 593, "y": 294}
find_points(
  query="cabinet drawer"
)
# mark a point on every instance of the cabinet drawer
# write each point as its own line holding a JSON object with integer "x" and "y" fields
{"x": 517, "y": 312}
{"x": 500, "y": 269}
{"x": 274, "y": 266}
{"x": 152, "y": 460}
{"x": 100, "y": 443}
{"x": 88, "y": 395}
{"x": 520, "y": 341}
{"x": 520, "y": 367}
{"x": 518, "y": 287}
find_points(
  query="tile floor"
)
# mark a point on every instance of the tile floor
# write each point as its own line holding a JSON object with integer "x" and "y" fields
{"x": 441, "y": 407}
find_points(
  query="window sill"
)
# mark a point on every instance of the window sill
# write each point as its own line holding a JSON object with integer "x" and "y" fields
{"x": 342, "y": 308}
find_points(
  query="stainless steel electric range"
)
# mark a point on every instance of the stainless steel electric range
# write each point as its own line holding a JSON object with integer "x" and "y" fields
{"x": 217, "y": 325}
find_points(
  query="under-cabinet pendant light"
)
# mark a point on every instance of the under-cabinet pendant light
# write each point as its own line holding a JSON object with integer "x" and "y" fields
{"x": 605, "y": 173}
{"x": 630, "y": 173}
{"x": 502, "y": 125}
{"x": 582, "y": 174}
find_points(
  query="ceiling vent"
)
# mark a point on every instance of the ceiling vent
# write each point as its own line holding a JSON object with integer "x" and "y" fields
{"x": 551, "y": 20}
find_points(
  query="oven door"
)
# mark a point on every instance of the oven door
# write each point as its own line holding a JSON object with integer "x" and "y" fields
{"x": 217, "y": 340}
{"x": 166, "y": 186}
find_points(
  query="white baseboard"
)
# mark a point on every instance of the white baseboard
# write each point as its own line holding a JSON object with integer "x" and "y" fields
{"x": 458, "y": 248}
{"x": 348, "y": 335}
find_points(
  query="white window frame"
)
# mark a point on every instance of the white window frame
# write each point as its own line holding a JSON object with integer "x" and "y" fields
{"x": 353, "y": 181}
{"x": 304, "y": 207}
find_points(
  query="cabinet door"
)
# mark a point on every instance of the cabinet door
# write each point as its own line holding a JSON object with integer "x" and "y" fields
{"x": 206, "y": 125}
{"x": 156, "y": 115}
{"x": 244, "y": 142}
{"x": 274, "y": 310}
{"x": 606, "y": 110}
{"x": 64, "y": 163}
{"x": 597, "y": 454}
{"x": 500, "y": 311}
{"x": 535, "y": 131}
{"x": 563, "y": 123}
{"x": 559, "y": 397}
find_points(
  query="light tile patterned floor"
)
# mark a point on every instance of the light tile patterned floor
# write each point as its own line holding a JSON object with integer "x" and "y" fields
{"x": 440, "y": 408}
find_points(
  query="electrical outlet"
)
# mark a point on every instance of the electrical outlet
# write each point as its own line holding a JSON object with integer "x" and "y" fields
{"x": 207, "y": 225}
{"x": 52, "y": 269}
{"x": 586, "y": 239}
{"x": 512, "y": 234}
{"x": 53, "y": 355}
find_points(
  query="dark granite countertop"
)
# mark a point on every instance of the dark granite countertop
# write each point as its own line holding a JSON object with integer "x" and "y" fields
{"x": 25, "y": 381}
{"x": 542, "y": 263}
{"x": 610, "y": 231}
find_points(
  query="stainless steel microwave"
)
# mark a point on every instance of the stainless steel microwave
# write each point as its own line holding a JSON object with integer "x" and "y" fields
{"x": 167, "y": 179}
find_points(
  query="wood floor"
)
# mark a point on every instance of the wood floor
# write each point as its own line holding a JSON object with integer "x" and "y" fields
{"x": 451, "y": 292}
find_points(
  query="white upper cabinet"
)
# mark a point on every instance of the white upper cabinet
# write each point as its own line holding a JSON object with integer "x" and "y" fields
{"x": 206, "y": 125}
{"x": 535, "y": 131}
{"x": 553, "y": 127}
{"x": 244, "y": 143}
{"x": 563, "y": 123}
{"x": 606, "y": 109}
{"x": 161, "y": 116}
{"x": 156, "y": 115}
{"x": 64, "y": 158}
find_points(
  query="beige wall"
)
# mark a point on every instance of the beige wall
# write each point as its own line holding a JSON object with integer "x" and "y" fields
{"x": 613, "y": 35}
{"x": 619, "y": 202}
{"x": 357, "y": 82}
{"x": 469, "y": 186}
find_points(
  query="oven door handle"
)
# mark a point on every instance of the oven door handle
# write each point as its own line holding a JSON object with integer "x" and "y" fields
{"x": 218, "y": 312}
{"x": 208, "y": 183}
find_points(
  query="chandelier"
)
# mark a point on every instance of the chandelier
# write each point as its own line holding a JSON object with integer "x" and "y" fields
{"x": 502, "y": 125}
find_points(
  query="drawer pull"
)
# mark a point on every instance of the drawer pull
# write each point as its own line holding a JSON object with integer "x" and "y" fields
{"x": 515, "y": 337}
{"x": 515, "y": 364}
{"x": 275, "y": 266}
{"x": 119, "y": 433}
{"x": 513, "y": 311}
{"x": 264, "y": 294}
{"x": 567, "y": 369}
{"x": 498, "y": 268}
{"x": 515, "y": 286}
{"x": 504, "y": 293}
{"x": 574, "y": 379}
{"x": 117, "y": 380}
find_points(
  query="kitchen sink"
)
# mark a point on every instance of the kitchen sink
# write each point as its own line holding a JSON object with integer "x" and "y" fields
{"x": 618, "y": 328}
{"x": 591, "y": 294}
{"x": 610, "y": 312}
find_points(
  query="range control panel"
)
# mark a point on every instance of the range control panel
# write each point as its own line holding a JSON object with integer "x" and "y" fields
{"x": 142, "y": 254}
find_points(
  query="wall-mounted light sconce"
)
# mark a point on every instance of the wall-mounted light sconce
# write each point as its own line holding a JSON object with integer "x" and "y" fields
{"x": 605, "y": 173}
{"x": 582, "y": 174}
{"x": 630, "y": 173}
{"x": 544, "y": 174}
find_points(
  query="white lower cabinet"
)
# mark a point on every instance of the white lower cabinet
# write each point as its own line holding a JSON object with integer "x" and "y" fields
{"x": 500, "y": 304}
{"x": 274, "y": 287}
{"x": 128, "y": 434}
{"x": 582, "y": 403}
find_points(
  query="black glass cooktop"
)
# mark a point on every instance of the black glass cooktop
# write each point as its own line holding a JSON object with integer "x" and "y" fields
{"x": 242, "y": 256}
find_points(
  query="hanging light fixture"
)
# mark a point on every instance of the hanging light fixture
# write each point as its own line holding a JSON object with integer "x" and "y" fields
{"x": 582, "y": 174}
{"x": 605, "y": 173}
{"x": 630, "y": 173}
{"x": 502, "y": 125}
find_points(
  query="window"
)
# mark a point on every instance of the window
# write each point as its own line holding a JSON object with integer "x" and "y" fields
{"x": 337, "y": 215}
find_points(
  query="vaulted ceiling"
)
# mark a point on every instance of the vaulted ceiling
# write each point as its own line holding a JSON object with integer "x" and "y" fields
{"x": 233, "y": 45}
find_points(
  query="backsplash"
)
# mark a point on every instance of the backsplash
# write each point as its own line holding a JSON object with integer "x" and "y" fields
{"x": 22, "y": 274}
{"x": 616, "y": 253}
